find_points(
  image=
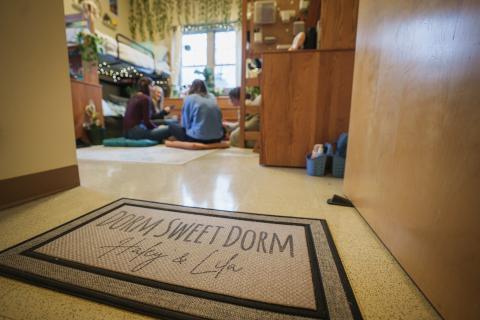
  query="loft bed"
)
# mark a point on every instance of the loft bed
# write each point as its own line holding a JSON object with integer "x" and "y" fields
{"x": 123, "y": 52}
{"x": 119, "y": 52}
{"x": 121, "y": 63}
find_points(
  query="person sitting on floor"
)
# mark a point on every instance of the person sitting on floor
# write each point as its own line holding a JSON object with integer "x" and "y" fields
{"x": 137, "y": 123}
{"x": 159, "y": 111}
{"x": 201, "y": 117}
{"x": 252, "y": 121}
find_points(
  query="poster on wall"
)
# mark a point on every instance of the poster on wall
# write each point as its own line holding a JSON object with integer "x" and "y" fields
{"x": 91, "y": 5}
{"x": 114, "y": 6}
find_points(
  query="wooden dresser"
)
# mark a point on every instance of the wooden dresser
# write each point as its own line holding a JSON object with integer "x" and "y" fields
{"x": 306, "y": 100}
{"x": 306, "y": 94}
{"x": 82, "y": 93}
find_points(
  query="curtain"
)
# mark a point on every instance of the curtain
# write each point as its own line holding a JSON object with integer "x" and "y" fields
{"x": 176, "y": 54}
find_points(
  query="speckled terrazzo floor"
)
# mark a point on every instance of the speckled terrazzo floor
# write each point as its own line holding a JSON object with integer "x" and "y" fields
{"x": 229, "y": 180}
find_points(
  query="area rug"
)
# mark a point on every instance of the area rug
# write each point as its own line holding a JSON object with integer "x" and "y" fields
{"x": 178, "y": 262}
{"x": 157, "y": 154}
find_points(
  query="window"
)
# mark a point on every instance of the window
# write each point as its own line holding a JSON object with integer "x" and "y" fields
{"x": 194, "y": 56}
{"x": 225, "y": 59}
{"x": 217, "y": 50}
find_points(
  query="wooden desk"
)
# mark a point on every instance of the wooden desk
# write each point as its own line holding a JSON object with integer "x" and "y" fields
{"x": 229, "y": 111}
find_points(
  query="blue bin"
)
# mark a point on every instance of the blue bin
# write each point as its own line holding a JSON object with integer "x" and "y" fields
{"x": 338, "y": 167}
{"x": 316, "y": 167}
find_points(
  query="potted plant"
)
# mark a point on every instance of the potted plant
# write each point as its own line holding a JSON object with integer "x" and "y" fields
{"x": 90, "y": 46}
{"x": 93, "y": 125}
{"x": 207, "y": 74}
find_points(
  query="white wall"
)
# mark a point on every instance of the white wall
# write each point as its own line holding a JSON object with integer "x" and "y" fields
{"x": 122, "y": 17}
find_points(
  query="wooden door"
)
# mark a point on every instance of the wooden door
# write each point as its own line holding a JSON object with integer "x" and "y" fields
{"x": 413, "y": 162}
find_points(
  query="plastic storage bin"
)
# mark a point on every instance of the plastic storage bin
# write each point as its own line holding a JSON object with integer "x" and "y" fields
{"x": 316, "y": 167}
{"x": 338, "y": 167}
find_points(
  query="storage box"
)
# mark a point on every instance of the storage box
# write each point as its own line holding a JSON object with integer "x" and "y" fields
{"x": 338, "y": 167}
{"x": 316, "y": 167}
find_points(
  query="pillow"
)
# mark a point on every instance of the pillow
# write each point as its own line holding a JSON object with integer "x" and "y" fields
{"x": 109, "y": 44}
{"x": 141, "y": 143}
{"x": 72, "y": 33}
{"x": 118, "y": 100}
{"x": 107, "y": 111}
{"x": 196, "y": 145}
{"x": 124, "y": 142}
{"x": 118, "y": 109}
{"x": 298, "y": 41}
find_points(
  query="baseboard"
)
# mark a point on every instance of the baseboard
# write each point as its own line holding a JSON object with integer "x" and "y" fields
{"x": 17, "y": 190}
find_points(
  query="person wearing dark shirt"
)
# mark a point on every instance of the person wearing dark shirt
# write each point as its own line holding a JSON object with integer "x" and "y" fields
{"x": 137, "y": 123}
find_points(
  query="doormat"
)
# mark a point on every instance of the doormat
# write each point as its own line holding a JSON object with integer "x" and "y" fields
{"x": 180, "y": 262}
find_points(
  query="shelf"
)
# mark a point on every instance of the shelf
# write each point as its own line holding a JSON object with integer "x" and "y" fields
{"x": 248, "y": 53}
{"x": 252, "y": 82}
{"x": 252, "y": 135}
{"x": 254, "y": 54}
{"x": 252, "y": 109}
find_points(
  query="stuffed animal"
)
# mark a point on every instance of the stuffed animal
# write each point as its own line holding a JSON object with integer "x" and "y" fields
{"x": 297, "y": 41}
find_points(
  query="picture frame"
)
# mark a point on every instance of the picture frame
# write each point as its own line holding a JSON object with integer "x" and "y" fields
{"x": 113, "y": 4}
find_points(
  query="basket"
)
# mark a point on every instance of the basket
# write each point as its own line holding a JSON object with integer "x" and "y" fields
{"x": 95, "y": 135}
{"x": 316, "y": 167}
{"x": 338, "y": 167}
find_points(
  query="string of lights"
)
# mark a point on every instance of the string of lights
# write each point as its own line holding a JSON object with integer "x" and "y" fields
{"x": 105, "y": 70}
{"x": 220, "y": 26}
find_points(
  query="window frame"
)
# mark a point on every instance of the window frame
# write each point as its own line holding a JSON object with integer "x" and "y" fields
{"x": 211, "y": 56}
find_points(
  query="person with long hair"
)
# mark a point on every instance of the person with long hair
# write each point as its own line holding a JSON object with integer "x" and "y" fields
{"x": 158, "y": 97}
{"x": 137, "y": 123}
{"x": 201, "y": 117}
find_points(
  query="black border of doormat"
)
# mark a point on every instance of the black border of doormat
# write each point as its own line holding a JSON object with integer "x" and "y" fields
{"x": 317, "y": 282}
{"x": 321, "y": 311}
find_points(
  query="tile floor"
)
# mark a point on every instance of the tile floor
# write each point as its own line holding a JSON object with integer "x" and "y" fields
{"x": 228, "y": 179}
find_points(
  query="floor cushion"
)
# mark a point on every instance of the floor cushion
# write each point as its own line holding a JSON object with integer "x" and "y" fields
{"x": 196, "y": 145}
{"x": 124, "y": 142}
